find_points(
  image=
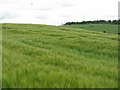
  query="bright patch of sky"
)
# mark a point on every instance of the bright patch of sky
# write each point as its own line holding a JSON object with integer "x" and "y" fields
{"x": 56, "y": 12}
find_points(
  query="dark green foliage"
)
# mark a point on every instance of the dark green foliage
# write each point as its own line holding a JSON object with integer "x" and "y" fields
{"x": 95, "y": 22}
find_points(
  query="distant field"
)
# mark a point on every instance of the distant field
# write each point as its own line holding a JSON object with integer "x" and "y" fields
{"x": 108, "y": 28}
{"x": 41, "y": 56}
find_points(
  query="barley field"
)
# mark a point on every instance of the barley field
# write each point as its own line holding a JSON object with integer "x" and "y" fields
{"x": 43, "y": 56}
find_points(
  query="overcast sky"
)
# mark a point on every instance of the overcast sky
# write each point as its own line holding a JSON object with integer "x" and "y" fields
{"x": 56, "y": 12}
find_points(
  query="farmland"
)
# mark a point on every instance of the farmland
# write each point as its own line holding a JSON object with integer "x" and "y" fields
{"x": 43, "y": 56}
{"x": 108, "y": 28}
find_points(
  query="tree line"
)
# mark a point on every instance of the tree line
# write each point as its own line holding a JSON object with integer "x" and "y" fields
{"x": 95, "y": 22}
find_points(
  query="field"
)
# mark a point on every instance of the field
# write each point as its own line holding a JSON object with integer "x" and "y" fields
{"x": 42, "y": 56}
{"x": 0, "y": 56}
{"x": 108, "y": 28}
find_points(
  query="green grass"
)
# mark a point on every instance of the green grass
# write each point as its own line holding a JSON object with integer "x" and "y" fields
{"x": 0, "y": 56}
{"x": 41, "y": 56}
{"x": 108, "y": 28}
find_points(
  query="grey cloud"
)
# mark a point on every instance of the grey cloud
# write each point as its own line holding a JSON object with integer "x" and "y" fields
{"x": 64, "y": 3}
{"x": 41, "y": 17}
{"x": 114, "y": 16}
{"x": 44, "y": 9}
{"x": 6, "y": 16}
{"x": 2, "y": 17}
{"x": 65, "y": 16}
{"x": 111, "y": 16}
{"x": 67, "y": 5}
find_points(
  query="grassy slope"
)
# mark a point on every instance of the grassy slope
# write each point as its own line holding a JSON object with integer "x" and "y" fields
{"x": 109, "y": 28}
{"x": 0, "y": 56}
{"x": 49, "y": 56}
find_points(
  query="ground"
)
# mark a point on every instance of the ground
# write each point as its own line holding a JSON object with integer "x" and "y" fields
{"x": 43, "y": 56}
